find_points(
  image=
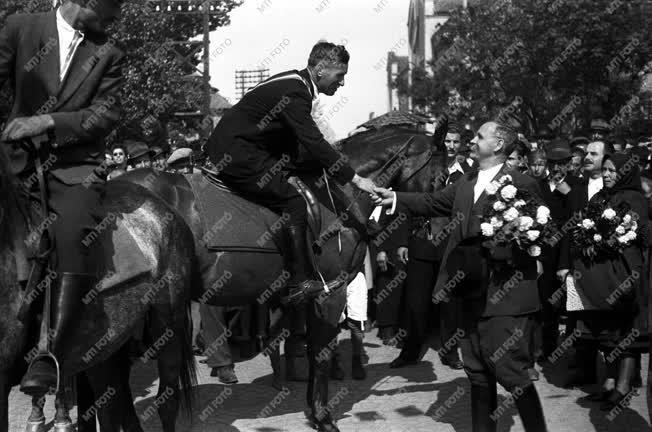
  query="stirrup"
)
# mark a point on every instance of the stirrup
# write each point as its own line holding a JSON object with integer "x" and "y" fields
{"x": 47, "y": 354}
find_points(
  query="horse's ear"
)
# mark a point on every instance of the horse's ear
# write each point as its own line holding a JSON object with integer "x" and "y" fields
{"x": 441, "y": 129}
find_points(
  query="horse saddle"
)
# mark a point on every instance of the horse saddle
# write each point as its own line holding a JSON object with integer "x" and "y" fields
{"x": 232, "y": 223}
{"x": 123, "y": 259}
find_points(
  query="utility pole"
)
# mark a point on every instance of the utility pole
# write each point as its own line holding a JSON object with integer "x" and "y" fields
{"x": 205, "y": 9}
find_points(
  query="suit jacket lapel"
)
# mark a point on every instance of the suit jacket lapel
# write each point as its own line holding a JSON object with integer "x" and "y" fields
{"x": 49, "y": 66}
{"x": 81, "y": 66}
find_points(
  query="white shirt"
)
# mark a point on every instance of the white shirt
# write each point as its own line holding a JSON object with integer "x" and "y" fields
{"x": 484, "y": 179}
{"x": 595, "y": 185}
{"x": 455, "y": 167}
{"x": 66, "y": 46}
{"x": 314, "y": 86}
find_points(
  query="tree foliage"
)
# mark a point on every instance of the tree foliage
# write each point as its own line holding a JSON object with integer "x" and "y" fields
{"x": 156, "y": 74}
{"x": 554, "y": 63}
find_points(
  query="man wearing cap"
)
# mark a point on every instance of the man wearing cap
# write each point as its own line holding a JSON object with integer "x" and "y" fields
{"x": 139, "y": 154}
{"x": 65, "y": 75}
{"x": 159, "y": 160}
{"x": 555, "y": 189}
{"x": 600, "y": 129}
{"x": 180, "y": 160}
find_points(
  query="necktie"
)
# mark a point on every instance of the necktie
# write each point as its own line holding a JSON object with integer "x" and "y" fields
{"x": 71, "y": 51}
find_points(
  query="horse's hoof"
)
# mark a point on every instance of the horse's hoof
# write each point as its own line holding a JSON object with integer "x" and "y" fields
{"x": 63, "y": 426}
{"x": 35, "y": 425}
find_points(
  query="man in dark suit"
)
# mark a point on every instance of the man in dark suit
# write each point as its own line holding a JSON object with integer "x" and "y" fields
{"x": 578, "y": 198}
{"x": 263, "y": 138}
{"x": 65, "y": 75}
{"x": 555, "y": 190}
{"x": 427, "y": 243}
{"x": 499, "y": 307}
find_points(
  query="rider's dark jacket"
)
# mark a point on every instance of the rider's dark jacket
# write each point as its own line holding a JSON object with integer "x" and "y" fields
{"x": 271, "y": 126}
{"x": 85, "y": 107}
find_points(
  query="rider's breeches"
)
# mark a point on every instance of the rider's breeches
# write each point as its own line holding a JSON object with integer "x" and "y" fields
{"x": 273, "y": 192}
{"x": 77, "y": 226}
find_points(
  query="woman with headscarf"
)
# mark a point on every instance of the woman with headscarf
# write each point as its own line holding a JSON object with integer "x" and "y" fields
{"x": 612, "y": 287}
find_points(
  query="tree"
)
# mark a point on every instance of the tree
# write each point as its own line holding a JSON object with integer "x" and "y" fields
{"x": 156, "y": 75}
{"x": 554, "y": 63}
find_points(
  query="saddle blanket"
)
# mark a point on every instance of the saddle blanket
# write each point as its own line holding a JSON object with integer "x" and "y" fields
{"x": 127, "y": 260}
{"x": 233, "y": 224}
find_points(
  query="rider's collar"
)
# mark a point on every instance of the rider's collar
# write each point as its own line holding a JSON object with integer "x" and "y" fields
{"x": 315, "y": 90}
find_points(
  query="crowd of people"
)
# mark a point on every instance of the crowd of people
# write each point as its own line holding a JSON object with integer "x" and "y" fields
{"x": 570, "y": 174}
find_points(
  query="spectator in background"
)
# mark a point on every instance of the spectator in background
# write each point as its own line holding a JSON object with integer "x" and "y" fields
{"x": 467, "y": 137}
{"x": 139, "y": 154}
{"x": 518, "y": 159}
{"x": 159, "y": 159}
{"x": 537, "y": 164}
{"x": 600, "y": 129}
{"x": 619, "y": 144}
{"x": 180, "y": 161}
{"x": 577, "y": 162}
{"x": 579, "y": 141}
{"x": 120, "y": 155}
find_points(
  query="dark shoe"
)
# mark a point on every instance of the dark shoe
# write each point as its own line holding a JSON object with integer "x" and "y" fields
{"x": 67, "y": 294}
{"x": 357, "y": 370}
{"x": 226, "y": 374}
{"x": 600, "y": 396}
{"x": 325, "y": 425}
{"x": 529, "y": 409}
{"x": 452, "y": 360}
{"x": 400, "y": 362}
{"x": 614, "y": 400}
{"x": 533, "y": 374}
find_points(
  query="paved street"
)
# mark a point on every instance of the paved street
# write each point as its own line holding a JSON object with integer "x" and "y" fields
{"x": 412, "y": 399}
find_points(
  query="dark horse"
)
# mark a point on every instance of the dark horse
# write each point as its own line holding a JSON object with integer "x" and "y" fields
{"x": 392, "y": 156}
{"x": 107, "y": 322}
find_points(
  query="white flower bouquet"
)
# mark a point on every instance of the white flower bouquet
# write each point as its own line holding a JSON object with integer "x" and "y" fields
{"x": 514, "y": 217}
{"x": 604, "y": 230}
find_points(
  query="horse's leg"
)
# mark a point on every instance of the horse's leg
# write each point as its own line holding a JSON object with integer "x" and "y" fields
{"x": 170, "y": 361}
{"x": 131, "y": 422}
{"x": 5, "y": 388}
{"x": 36, "y": 419}
{"x": 321, "y": 334}
{"x": 62, "y": 420}
{"x": 85, "y": 412}
{"x": 276, "y": 321}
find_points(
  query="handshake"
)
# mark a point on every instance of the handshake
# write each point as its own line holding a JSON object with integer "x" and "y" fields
{"x": 380, "y": 196}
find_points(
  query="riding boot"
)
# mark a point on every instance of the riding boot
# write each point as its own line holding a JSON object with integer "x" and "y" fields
{"x": 484, "y": 401}
{"x": 66, "y": 297}
{"x": 302, "y": 283}
{"x": 530, "y": 410}
{"x": 357, "y": 349}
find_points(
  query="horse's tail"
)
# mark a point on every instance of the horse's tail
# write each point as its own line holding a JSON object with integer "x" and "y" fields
{"x": 188, "y": 375}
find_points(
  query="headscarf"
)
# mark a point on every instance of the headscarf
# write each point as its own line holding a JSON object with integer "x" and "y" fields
{"x": 629, "y": 174}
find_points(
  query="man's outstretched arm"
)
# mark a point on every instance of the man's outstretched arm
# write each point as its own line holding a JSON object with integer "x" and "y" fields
{"x": 418, "y": 203}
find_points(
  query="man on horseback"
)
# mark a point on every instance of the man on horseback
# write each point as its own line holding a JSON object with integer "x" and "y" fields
{"x": 66, "y": 75}
{"x": 270, "y": 132}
